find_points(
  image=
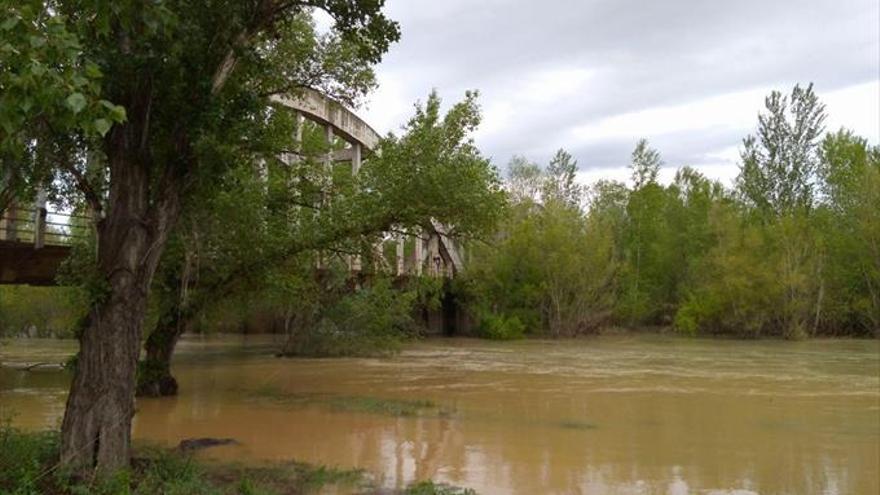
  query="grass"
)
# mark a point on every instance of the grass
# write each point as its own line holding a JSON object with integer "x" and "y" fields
{"x": 28, "y": 467}
{"x": 431, "y": 488}
{"x": 354, "y": 403}
{"x": 28, "y": 463}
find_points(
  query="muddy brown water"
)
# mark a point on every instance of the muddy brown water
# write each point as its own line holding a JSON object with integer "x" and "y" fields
{"x": 610, "y": 415}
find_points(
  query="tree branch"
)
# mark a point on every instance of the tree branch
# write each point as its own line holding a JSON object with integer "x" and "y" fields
{"x": 267, "y": 12}
{"x": 84, "y": 186}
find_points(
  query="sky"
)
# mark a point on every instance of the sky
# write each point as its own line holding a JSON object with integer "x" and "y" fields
{"x": 594, "y": 76}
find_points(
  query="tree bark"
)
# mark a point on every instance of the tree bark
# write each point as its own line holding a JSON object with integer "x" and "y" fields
{"x": 96, "y": 430}
{"x": 154, "y": 375}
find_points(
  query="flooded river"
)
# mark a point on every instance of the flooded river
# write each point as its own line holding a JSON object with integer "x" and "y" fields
{"x": 611, "y": 415}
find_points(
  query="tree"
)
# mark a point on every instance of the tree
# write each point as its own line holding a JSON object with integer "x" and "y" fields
{"x": 639, "y": 300}
{"x": 645, "y": 164}
{"x": 778, "y": 182}
{"x": 549, "y": 269}
{"x": 560, "y": 182}
{"x": 849, "y": 174}
{"x": 778, "y": 170}
{"x": 524, "y": 179}
{"x": 134, "y": 103}
{"x": 431, "y": 172}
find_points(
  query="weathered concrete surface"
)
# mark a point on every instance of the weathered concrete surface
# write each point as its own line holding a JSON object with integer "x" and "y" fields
{"x": 321, "y": 109}
{"x": 21, "y": 263}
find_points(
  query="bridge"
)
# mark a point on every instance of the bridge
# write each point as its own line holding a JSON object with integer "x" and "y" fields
{"x": 34, "y": 242}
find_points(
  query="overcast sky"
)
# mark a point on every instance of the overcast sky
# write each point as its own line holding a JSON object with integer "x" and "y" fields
{"x": 593, "y": 76}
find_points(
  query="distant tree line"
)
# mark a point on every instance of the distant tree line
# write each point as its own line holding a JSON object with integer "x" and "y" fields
{"x": 791, "y": 250}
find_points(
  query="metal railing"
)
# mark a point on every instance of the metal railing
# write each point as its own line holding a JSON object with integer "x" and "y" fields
{"x": 40, "y": 227}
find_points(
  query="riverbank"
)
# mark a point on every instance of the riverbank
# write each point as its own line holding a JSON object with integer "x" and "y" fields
{"x": 29, "y": 465}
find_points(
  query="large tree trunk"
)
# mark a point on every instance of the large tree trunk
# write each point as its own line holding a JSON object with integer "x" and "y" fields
{"x": 97, "y": 421}
{"x": 96, "y": 430}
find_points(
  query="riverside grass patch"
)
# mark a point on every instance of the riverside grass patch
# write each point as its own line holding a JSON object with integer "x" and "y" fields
{"x": 28, "y": 466}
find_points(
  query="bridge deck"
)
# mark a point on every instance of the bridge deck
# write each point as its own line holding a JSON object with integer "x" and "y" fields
{"x": 21, "y": 263}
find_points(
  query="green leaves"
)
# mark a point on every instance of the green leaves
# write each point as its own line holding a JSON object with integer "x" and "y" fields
{"x": 117, "y": 112}
{"x": 51, "y": 87}
{"x": 779, "y": 163}
{"x": 9, "y": 23}
{"x": 76, "y": 102}
{"x": 102, "y": 126}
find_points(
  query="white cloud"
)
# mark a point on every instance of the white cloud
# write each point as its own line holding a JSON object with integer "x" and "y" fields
{"x": 856, "y": 108}
{"x": 729, "y": 111}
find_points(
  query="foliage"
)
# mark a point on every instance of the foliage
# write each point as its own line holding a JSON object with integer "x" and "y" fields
{"x": 645, "y": 165}
{"x": 39, "y": 311}
{"x": 798, "y": 256}
{"x": 791, "y": 251}
{"x": 129, "y": 107}
{"x": 28, "y": 466}
{"x": 23, "y": 459}
{"x": 560, "y": 184}
{"x": 432, "y": 172}
{"x": 779, "y": 165}
{"x": 431, "y": 488}
{"x": 370, "y": 321}
{"x": 354, "y": 403}
{"x": 549, "y": 269}
{"x": 501, "y": 327}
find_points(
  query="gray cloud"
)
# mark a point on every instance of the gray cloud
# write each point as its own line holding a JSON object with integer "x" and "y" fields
{"x": 639, "y": 55}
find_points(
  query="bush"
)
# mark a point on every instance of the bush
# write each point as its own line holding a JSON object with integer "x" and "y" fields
{"x": 24, "y": 459}
{"x": 39, "y": 311}
{"x": 500, "y": 327}
{"x": 372, "y": 321}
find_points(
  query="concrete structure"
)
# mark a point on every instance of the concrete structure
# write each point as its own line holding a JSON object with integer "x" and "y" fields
{"x": 33, "y": 245}
{"x": 31, "y": 254}
{"x": 434, "y": 252}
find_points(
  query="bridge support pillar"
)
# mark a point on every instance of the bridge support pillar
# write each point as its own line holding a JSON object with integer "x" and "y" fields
{"x": 355, "y": 159}
{"x": 418, "y": 257}
{"x": 434, "y": 260}
{"x": 325, "y": 183}
{"x": 399, "y": 253}
{"x": 354, "y": 262}
{"x": 40, "y": 220}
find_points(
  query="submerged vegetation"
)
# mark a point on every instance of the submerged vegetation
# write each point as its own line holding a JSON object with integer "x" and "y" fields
{"x": 353, "y": 403}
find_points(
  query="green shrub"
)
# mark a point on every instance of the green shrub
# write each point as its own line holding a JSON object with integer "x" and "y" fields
{"x": 501, "y": 327}
{"x": 24, "y": 458}
{"x": 39, "y": 311}
{"x": 372, "y": 321}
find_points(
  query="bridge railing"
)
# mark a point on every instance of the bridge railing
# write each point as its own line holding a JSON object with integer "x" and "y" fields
{"x": 43, "y": 228}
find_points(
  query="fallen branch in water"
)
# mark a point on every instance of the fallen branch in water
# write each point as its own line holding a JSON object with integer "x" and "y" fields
{"x": 33, "y": 366}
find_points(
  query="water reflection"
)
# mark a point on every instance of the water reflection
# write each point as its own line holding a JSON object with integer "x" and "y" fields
{"x": 610, "y": 415}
